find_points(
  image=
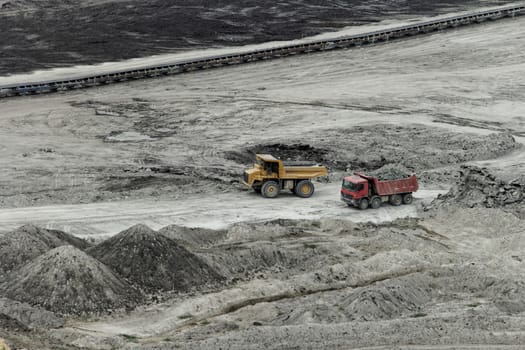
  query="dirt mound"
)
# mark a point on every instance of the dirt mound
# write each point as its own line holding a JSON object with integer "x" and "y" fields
{"x": 508, "y": 296}
{"x": 193, "y": 236}
{"x": 292, "y": 152}
{"x": 391, "y": 172}
{"x": 247, "y": 260}
{"x": 389, "y": 150}
{"x": 27, "y": 242}
{"x": 68, "y": 281}
{"x": 154, "y": 261}
{"x": 390, "y": 299}
{"x": 387, "y": 300}
{"x": 477, "y": 187}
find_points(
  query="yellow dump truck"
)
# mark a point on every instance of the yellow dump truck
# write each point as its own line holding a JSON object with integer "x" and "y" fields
{"x": 269, "y": 176}
{"x": 3, "y": 345}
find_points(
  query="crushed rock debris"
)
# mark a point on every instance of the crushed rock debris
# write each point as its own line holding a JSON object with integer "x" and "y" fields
{"x": 478, "y": 187}
{"x": 391, "y": 172}
{"x": 27, "y": 242}
{"x": 68, "y": 281}
{"x": 154, "y": 261}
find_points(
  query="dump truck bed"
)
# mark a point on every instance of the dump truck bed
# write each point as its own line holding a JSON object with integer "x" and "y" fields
{"x": 390, "y": 187}
{"x": 294, "y": 163}
{"x": 303, "y": 172}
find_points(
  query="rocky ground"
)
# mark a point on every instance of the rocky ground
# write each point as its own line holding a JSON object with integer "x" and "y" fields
{"x": 216, "y": 267}
{"x": 321, "y": 283}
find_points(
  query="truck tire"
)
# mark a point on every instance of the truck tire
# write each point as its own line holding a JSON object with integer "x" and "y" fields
{"x": 304, "y": 189}
{"x": 396, "y": 200}
{"x": 375, "y": 202}
{"x": 407, "y": 198}
{"x": 270, "y": 189}
{"x": 363, "y": 204}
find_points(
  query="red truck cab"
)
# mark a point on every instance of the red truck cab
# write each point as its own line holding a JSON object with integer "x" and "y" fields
{"x": 362, "y": 191}
{"x": 354, "y": 187}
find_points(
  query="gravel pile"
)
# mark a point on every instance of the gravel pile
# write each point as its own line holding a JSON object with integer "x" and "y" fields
{"x": 193, "y": 236}
{"x": 27, "y": 242}
{"x": 387, "y": 300}
{"x": 68, "y": 281}
{"x": 477, "y": 187}
{"x": 154, "y": 261}
{"x": 391, "y": 172}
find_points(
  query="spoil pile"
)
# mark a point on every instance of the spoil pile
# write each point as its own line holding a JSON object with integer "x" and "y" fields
{"x": 68, "y": 281}
{"x": 27, "y": 242}
{"x": 192, "y": 236}
{"x": 154, "y": 261}
{"x": 291, "y": 152}
{"x": 477, "y": 187}
{"x": 387, "y": 300}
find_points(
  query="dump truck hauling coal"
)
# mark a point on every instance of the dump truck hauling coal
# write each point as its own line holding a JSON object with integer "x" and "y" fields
{"x": 362, "y": 191}
{"x": 269, "y": 176}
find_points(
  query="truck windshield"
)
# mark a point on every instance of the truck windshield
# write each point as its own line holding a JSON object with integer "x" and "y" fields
{"x": 347, "y": 185}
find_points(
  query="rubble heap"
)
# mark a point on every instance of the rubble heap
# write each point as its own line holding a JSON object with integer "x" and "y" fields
{"x": 68, "y": 281}
{"x": 477, "y": 187}
{"x": 27, "y": 242}
{"x": 391, "y": 172}
{"x": 154, "y": 261}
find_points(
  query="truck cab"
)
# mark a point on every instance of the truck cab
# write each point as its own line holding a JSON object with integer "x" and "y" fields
{"x": 265, "y": 167}
{"x": 353, "y": 189}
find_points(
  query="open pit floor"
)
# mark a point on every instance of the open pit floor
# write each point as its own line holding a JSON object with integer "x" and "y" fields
{"x": 294, "y": 273}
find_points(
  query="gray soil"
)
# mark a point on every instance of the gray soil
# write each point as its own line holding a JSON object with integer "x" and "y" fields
{"x": 68, "y": 281}
{"x": 153, "y": 261}
{"x": 27, "y": 242}
{"x": 366, "y": 284}
{"x": 328, "y": 283}
{"x": 369, "y": 148}
{"x": 193, "y": 237}
{"x": 145, "y": 171}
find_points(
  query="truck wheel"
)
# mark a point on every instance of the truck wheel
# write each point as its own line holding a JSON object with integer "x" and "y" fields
{"x": 304, "y": 188}
{"x": 407, "y": 198}
{"x": 363, "y": 204}
{"x": 376, "y": 202}
{"x": 396, "y": 200}
{"x": 270, "y": 189}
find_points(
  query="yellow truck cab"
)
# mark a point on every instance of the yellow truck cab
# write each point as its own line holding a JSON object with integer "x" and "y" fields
{"x": 269, "y": 176}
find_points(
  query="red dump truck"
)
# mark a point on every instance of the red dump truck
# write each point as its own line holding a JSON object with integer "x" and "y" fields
{"x": 362, "y": 191}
